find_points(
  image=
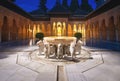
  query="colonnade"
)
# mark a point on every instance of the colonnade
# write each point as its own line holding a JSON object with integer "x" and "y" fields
{"x": 12, "y": 30}
{"x": 103, "y": 30}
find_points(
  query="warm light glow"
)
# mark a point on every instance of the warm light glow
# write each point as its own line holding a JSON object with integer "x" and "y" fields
{"x": 38, "y": 28}
{"x": 54, "y": 24}
{"x": 59, "y": 31}
{"x": 54, "y": 28}
{"x": 30, "y": 42}
{"x": 83, "y": 30}
{"x": 69, "y": 30}
{"x": 64, "y": 28}
{"x": 34, "y": 30}
{"x": 43, "y": 28}
{"x": 59, "y": 24}
{"x": 75, "y": 29}
{"x": 30, "y": 30}
{"x": 61, "y": 39}
{"x": 79, "y": 28}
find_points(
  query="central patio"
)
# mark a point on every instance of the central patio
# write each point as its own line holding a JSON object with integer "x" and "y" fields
{"x": 40, "y": 58}
{"x": 24, "y": 63}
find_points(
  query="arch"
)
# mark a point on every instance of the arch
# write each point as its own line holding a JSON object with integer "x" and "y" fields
{"x": 54, "y": 29}
{"x": 70, "y": 32}
{"x": 112, "y": 31}
{"x": 20, "y": 33}
{"x": 79, "y": 28}
{"x": 91, "y": 30}
{"x": 14, "y": 31}
{"x": 64, "y": 29}
{"x": 118, "y": 25}
{"x": 5, "y": 30}
{"x": 83, "y": 30}
{"x": 30, "y": 31}
{"x": 38, "y": 28}
{"x": 97, "y": 29}
{"x": 59, "y": 24}
{"x": 34, "y": 30}
{"x": 88, "y": 32}
{"x": 0, "y": 27}
{"x": 94, "y": 30}
{"x": 0, "y": 23}
{"x": 59, "y": 29}
{"x": 24, "y": 32}
{"x": 74, "y": 28}
{"x": 104, "y": 30}
{"x": 49, "y": 30}
{"x": 27, "y": 31}
{"x": 43, "y": 28}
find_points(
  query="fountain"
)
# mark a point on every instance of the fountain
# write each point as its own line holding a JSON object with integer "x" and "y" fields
{"x": 59, "y": 39}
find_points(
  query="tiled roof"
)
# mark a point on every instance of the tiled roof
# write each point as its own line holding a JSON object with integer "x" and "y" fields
{"x": 14, "y": 8}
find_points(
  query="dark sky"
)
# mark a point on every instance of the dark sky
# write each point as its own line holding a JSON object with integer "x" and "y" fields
{"x": 29, "y": 5}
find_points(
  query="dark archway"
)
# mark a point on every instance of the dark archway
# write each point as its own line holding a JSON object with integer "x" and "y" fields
{"x": 88, "y": 32}
{"x": 94, "y": 32}
{"x": 112, "y": 33}
{"x": 97, "y": 30}
{"x": 14, "y": 31}
{"x": 104, "y": 30}
{"x": 5, "y": 30}
{"x": 118, "y": 25}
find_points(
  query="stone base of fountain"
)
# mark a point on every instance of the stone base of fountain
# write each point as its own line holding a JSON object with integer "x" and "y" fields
{"x": 84, "y": 56}
{"x": 85, "y": 60}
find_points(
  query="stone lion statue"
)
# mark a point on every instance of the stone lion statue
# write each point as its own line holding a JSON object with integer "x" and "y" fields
{"x": 60, "y": 51}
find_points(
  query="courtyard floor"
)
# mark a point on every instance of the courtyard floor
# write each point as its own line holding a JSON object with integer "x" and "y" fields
{"x": 23, "y": 63}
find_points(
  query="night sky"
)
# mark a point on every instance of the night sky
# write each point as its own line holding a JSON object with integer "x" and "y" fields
{"x": 30, "y": 5}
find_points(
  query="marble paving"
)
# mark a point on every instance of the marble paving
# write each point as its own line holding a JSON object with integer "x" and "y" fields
{"x": 21, "y": 64}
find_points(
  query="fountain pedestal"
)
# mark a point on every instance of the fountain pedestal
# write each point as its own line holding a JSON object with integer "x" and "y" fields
{"x": 57, "y": 40}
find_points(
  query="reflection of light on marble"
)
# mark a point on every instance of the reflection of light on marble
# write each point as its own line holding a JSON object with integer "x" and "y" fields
{"x": 30, "y": 42}
{"x": 59, "y": 39}
{"x": 30, "y": 30}
{"x": 59, "y": 31}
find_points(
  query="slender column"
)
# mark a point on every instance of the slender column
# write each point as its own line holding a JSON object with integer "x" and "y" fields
{"x": 46, "y": 32}
{"x": 108, "y": 31}
{"x": 77, "y": 27}
{"x": 52, "y": 29}
{"x": 72, "y": 29}
{"x": 66, "y": 29}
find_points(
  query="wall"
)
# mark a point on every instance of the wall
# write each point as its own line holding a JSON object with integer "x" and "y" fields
{"x": 104, "y": 30}
{"x": 13, "y": 26}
